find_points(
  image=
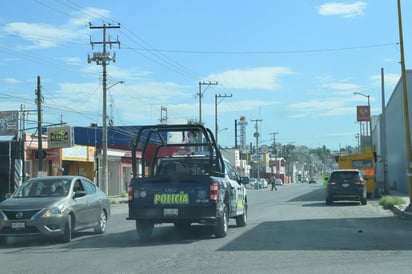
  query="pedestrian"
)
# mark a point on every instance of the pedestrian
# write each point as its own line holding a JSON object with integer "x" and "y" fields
{"x": 273, "y": 181}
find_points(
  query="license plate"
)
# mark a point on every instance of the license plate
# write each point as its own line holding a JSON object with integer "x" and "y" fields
{"x": 18, "y": 225}
{"x": 170, "y": 212}
{"x": 345, "y": 185}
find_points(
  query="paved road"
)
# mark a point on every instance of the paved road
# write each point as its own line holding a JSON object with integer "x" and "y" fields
{"x": 288, "y": 231}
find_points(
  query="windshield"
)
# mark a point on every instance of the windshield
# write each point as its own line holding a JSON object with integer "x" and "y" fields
{"x": 43, "y": 188}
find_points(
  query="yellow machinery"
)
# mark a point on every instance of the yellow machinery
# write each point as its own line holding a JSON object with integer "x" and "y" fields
{"x": 365, "y": 163}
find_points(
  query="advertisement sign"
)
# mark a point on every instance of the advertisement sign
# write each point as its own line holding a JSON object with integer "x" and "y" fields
{"x": 9, "y": 123}
{"x": 362, "y": 113}
{"x": 59, "y": 137}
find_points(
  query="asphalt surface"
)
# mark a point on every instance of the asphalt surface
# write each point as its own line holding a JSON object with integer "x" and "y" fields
{"x": 403, "y": 211}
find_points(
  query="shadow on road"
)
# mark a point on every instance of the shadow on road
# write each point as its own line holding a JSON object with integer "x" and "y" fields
{"x": 388, "y": 233}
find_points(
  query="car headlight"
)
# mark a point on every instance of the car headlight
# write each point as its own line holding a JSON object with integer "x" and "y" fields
{"x": 54, "y": 211}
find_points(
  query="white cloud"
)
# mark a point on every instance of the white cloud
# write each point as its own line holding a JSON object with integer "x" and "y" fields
{"x": 87, "y": 15}
{"x": 342, "y": 9}
{"x": 390, "y": 80}
{"x": 11, "y": 80}
{"x": 48, "y": 36}
{"x": 266, "y": 78}
{"x": 41, "y": 35}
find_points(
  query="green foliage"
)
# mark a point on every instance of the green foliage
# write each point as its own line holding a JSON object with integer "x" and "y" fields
{"x": 389, "y": 201}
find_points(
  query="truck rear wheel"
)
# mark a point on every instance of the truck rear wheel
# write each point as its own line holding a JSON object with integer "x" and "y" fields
{"x": 144, "y": 229}
{"x": 222, "y": 224}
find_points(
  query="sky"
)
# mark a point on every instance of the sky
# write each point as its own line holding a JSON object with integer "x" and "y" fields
{"x": 290, "y": 67}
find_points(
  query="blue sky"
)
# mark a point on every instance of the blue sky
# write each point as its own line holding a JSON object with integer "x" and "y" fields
{"x": 292, "y": 64}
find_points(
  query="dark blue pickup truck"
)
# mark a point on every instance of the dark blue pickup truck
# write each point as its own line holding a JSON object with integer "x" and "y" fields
{"x": 182, "y": 178}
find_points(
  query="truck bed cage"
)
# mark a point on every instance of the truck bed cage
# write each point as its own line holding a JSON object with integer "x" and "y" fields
{"x": 158, "y": 136}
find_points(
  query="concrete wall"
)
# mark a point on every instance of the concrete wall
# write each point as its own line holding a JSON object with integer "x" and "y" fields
{"x": 395, "y": 135}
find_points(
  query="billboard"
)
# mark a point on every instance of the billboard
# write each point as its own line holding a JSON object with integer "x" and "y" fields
{"x": 9, "y": 123}
{"x": 362, "y": 113}
{"x": 59, "y": 137}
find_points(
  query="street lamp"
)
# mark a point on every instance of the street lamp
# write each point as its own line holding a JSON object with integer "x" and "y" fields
{"x": 370, "y": 120}
{"x": 112, "y": 85}
{"x": 104, "y": 138}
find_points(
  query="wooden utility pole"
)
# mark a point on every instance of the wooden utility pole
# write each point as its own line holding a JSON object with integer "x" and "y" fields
{"x": 103, "y": 58}
{"x": 38, "y": 101}
{"x": 405, "y": 109}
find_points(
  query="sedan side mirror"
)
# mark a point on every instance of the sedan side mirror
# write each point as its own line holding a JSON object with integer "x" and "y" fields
{"x": 79, "y": 194}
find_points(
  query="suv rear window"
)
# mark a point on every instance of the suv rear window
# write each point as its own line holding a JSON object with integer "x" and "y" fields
{"x": 344, "y": 175}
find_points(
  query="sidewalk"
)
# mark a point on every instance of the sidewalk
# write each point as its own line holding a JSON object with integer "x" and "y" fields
{"x": 118, "y": 200}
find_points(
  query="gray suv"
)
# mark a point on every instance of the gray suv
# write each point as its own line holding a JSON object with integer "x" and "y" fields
{"x": 346, "y": 184}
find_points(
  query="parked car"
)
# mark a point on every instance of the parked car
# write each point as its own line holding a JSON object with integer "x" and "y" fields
{"x": 54, "y": 206}
{"x": 278, "y": 182}
{"x": 312, "y": 181}
{"x": 346, "y": 184}
{"x": 263, "y": 183}
{"x": 253, "y": 183}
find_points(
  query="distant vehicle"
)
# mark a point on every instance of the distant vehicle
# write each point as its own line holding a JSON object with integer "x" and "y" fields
{"x": 312, "y": 181}
{"x": 253, "y": 183}
{"x": 278, "y": 181}
{"x": 346, "y": 184}
{"x": 54, "y": 206}
{"x": 263, "y": 183}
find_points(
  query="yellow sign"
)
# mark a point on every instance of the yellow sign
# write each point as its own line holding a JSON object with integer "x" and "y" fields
{"x": 176, "y": 198}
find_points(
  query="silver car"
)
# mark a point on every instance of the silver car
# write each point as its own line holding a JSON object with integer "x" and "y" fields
{"x": 54, "y": 206}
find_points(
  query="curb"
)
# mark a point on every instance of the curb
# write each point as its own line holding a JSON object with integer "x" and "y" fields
{"x": 401, "y": 212}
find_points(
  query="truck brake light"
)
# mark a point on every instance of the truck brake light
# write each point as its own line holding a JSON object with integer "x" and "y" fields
{"x": 130, "y": 193}
{"x": 213, "y": 192}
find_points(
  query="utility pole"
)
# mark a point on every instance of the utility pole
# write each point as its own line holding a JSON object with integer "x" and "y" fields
{"x": 200, "y": 95}
{"x": 274, "y": 152}
{"x": 216, "y": 125}
{"x": 257, "y": 135}
{"x": 103, "y": 58}
{"x": 383, "y": 137}
{"x": 405, "y": 109}
{"x": 38, "y": 101}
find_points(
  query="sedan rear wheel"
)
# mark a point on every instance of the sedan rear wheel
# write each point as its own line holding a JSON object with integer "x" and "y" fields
{"x": 100, "y": 228}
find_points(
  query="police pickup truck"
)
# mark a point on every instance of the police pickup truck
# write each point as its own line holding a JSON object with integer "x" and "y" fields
{"x": 182, "y": 178}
